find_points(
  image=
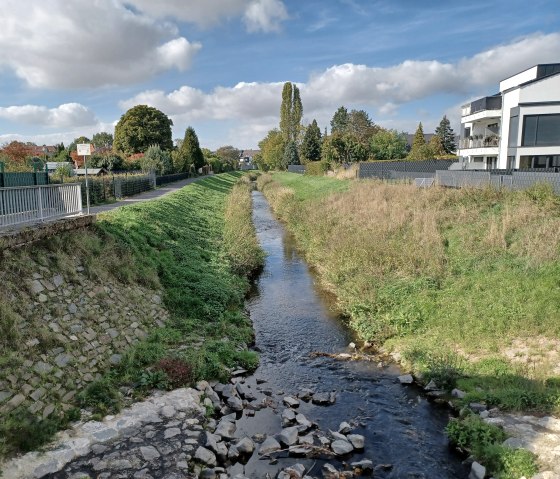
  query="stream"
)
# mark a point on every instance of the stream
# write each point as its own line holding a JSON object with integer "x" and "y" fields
{"x": 292, "y": 318}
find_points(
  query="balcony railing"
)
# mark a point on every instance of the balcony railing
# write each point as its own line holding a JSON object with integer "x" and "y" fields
{"x": 486, "y": 103}
{"x": 482, "y": 142}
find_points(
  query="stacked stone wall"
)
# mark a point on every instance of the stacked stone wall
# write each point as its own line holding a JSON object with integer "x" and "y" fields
{"x": 69, "y": 329}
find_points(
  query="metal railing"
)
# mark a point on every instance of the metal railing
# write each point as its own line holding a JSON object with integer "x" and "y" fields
{"x": 484, "y": 142}
{"x": 27, "y": 204}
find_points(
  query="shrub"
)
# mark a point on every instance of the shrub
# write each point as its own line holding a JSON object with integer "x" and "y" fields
{"x": 179, "y": 372}
{"x": 22, "y": 431}
{"x": 472, "y": 434}
{"x": 316, "y": 168}
{"x": 101, "y": 396}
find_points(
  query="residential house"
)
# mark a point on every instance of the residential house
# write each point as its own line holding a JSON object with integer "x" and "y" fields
{"x": 246, "y": 159}
{"x": 517, "y": 128}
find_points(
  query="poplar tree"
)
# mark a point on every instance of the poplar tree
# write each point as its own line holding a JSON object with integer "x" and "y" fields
{"x": 291, "y": 113}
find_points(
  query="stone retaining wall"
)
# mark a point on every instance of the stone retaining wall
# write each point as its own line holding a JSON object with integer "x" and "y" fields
{"x": 69, "y": 330}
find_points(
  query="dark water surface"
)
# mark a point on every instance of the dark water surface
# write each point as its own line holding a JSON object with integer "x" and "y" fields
{"x": 293, "y": 318}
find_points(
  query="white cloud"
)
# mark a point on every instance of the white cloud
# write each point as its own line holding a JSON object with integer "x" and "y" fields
{"x": 87, "y": 43}
{"x": 265, "y": 15}
{"x": 258, "y": 15}
{"x": 63, "y": 116}
{"x": 53, "y": 138}
{"x": 384, "y": 89}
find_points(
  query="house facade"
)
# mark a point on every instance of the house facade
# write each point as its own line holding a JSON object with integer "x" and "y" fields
{"x": 516, "y": 128}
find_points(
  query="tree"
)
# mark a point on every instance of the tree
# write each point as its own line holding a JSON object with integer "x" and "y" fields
{"x": 291, "y": 112}
{"x": 141, "y": 127}
{"x": 361, "y": 126}
{"x": 388, "y": 145}
{"x": 447, "y": 135}
{"x": 228, "y": 154}
{"x": 16, "y": 155}
{"x": 311, "y": 144}
{"x": 436, "y": 147}
{"x": 109, "y": 161}
{"x": 190, "y": 153}
{"x": 291, "y": 156}
{"x": 156, "y": 159}
{"x": 340, "y": 148}
{"x": 81, "y": 139}
{"x": 419, "y": 150}
{"x": 272, "y": 151}
{"x": 340, "y": 121}
{"x": 102, "y": 139}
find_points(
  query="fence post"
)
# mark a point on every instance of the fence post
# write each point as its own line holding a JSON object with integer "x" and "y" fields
{"x": 1, "y": 174}
{"x": 40, "y": 201}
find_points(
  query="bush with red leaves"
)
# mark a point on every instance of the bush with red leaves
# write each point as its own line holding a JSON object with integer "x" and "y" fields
{"x": 179, "y": 372}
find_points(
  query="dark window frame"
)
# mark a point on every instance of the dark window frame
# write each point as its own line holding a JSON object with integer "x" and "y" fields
{"x": 534, "y": 132}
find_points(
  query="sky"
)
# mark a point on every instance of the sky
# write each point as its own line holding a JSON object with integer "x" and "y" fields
{"x": 73, "y": 67}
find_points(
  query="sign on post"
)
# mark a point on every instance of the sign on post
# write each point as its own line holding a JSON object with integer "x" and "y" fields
{"x": 84, "y": 149}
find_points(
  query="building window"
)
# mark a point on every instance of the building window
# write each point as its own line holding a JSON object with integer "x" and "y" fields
{"x": 513, "y": 130}
{"x": 541, "y": 130}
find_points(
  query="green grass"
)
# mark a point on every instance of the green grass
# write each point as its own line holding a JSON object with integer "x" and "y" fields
{"x": 484, "y": 442}
{"x": 311, "y": 187}
{"x": 181, "y": 244}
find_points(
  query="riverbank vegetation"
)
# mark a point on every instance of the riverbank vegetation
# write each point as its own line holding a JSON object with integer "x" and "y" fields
{"x": 462, "y": 285}
{"x": 184, "y": 245}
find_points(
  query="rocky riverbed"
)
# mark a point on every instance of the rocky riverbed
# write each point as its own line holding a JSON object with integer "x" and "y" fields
{"x": 202, "y": 433}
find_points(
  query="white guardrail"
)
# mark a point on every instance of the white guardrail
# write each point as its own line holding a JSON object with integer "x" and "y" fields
{"x": 27, "y": 204}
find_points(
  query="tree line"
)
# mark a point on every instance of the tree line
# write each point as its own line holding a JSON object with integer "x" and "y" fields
{"x": 142, "y": 140}
{"x": 353, "y": 137}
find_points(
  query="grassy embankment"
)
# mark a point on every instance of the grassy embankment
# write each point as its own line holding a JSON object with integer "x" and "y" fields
{"x": 463, "y": 284}
{"x": 197, "y": 245}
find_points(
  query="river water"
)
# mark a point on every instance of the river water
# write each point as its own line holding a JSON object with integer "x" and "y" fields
{"x": 292, "y": 318}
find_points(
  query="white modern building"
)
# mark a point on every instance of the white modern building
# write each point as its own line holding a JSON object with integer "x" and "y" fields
{"x": 516, "y": 128}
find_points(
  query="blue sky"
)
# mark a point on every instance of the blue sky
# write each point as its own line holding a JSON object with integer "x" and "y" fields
{"x": 73, "y": 68}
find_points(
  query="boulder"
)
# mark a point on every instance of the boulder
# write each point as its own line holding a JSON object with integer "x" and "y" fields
{"x": 235, "y": 404}
{"x": 357, "y": 440}
{"x": 303, "y": 422}
{"x": 288, "y": 436}
{"x": 226, "y": 429}
{"x": 288, "y": 415}
{"x": 233, "y": 454}
{"x": 344, "y": 428}
{"x": 205, "y": 456}
{"x": 365, "y": 465}
{"x": 406, "y": 379}
{"x": 457, "y": 393}
{"x": 245, "y": 446}
{"x": 269, "y": 445}
{"x": 244, "y": 391}
{"x": 291, "y": 401}
{"x": 478, "y": 471}
{"x": 329, "y": 471}
{"x": 340, "y": 448}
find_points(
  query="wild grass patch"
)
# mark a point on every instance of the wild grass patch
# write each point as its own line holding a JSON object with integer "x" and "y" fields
{"x": 439, "y": 272}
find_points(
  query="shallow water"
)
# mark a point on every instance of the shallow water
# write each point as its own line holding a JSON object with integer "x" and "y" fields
{"x": 292, "y": 318}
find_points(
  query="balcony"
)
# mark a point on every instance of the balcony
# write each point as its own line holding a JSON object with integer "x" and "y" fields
{"x": 479, "y": 141}
{"x": 482, "y": 104}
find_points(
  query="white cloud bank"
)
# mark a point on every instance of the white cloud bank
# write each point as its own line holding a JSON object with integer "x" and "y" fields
{"x": 384, "y": 89}
{"x": 258, "y": 15}
{"x": 87, "y": 43}
{"x": 63, "y": 116}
